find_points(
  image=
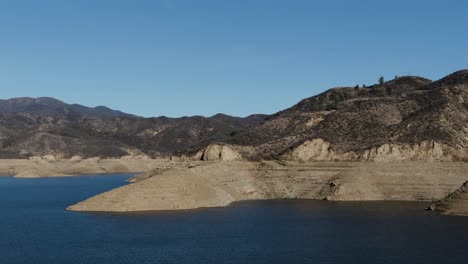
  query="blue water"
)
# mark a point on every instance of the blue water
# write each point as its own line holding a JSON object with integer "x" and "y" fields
{"x": 35, "y": 228}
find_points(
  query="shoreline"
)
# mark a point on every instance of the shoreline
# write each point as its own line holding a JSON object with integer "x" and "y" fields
{"x": 132, "y": 174}
{"x": 168, "y": 185}
{"x": 42, "y": 168}
{"x": 219, "y": 184}
{"x": 237, "y": 203}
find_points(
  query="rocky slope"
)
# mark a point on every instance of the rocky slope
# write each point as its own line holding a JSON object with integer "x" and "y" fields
{"x": 456, "y": 203}
{"x": 46, "y": 126}
{"x": 409, "y": 118}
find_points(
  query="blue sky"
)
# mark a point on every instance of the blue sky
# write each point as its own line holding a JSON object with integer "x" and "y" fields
{"x": 176, "y": 58}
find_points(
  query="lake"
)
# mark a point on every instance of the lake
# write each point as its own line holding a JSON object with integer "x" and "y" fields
{"x": 36, "y": 228}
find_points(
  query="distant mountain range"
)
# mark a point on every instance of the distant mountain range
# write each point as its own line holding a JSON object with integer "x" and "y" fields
{"x": 47, "y": 126}
{"x": 54, "y": 108}
{"x": 397, "y": 117}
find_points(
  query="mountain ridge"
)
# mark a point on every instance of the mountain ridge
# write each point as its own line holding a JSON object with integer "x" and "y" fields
{"x": 406, "y": 112}
{"x": 47, "y": 126}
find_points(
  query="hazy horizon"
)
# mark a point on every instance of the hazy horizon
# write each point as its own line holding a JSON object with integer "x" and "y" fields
{"x": 183, "y": 58}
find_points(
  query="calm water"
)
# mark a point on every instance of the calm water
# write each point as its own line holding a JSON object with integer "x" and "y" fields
{"x": 35, "y": 228}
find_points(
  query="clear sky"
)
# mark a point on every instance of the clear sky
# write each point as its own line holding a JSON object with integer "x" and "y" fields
{"x": 176, "y": 57}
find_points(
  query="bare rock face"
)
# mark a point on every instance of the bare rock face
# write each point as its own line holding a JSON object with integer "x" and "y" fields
{"x": 316, "y": 149}
{"x": 221, "y": 153}
{"x": 76, "y": 157}
{"x": 426, "y": 150}
{"x": 321, "y": 150}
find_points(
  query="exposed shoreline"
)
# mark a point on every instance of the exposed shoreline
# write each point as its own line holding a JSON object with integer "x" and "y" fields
{"x": 218, "y": 184}
{"x": 165, "y": 185}
{"x": 456, "y": 203}
{"x": 39, "y": 168}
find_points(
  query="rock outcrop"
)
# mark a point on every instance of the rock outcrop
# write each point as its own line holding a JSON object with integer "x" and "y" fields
{"x": 321, "y": 150}
{"x": 456, "y": 203}
{"x": 216, "y": 152}
{"x": 316, "y": 149}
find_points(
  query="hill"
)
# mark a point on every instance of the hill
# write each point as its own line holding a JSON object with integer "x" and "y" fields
{"x": 410, "y": 117}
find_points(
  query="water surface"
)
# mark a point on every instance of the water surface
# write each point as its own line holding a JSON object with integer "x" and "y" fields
{"x": 35, "y": 228}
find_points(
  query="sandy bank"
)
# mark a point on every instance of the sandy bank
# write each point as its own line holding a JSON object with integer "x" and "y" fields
{"x": 49, "y": 168}
{"x": 213, "y": 184}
